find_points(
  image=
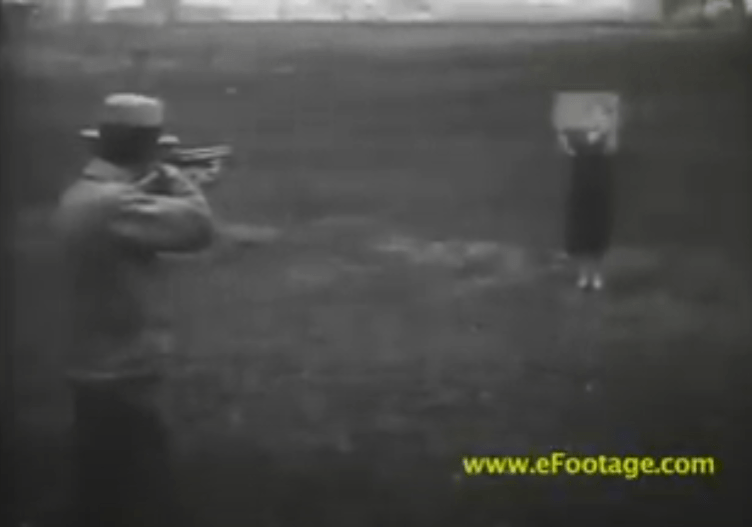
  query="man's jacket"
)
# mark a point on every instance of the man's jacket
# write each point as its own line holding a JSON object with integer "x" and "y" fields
{"x": 114, "y": 231}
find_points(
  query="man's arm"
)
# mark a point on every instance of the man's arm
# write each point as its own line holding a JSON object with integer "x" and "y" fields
{"x": 177, "y": 221}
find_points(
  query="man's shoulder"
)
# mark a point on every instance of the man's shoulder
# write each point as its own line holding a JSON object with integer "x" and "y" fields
{"x": 87, "y": 201}
{"x": 86, "y": 194}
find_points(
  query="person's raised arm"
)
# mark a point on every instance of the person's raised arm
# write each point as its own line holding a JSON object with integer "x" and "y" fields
{"x": 178, "y": 220}
{"x": 565, "y": 144}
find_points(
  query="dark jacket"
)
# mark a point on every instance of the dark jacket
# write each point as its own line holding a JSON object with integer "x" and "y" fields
{"x": 589, "y": 221}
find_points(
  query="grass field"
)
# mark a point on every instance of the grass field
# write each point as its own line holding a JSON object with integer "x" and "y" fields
{"x": 408, "y": 312}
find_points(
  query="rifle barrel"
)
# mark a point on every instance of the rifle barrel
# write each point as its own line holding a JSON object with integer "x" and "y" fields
{"x": 200, "y": 154}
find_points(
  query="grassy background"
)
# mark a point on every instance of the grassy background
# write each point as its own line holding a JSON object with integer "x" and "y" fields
{"x": 408, "y": 313}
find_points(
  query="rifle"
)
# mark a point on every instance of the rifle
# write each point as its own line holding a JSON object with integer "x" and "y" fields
{"x": 202, "y": 165}
{"x": 174, "y": 154}
{"x": 197, "y": 157}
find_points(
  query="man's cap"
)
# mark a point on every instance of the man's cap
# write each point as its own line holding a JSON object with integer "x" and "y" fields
{"x": 130, "y": 109}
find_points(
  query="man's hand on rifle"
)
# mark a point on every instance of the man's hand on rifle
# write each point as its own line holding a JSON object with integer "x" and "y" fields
{"x": 205, "y": 176}
{"x": 202, "y": 165}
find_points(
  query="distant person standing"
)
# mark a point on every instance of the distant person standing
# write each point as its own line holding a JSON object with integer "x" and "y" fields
{"x": 589, "y": 210}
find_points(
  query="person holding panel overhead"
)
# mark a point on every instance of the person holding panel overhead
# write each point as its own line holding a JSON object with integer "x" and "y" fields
{"x": 589, "y": 209}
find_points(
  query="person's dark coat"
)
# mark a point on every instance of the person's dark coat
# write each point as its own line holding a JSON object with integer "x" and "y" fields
{"x": 589, "y": 220}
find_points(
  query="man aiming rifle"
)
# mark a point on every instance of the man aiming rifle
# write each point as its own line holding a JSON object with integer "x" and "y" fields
{"x": 125, "y": 212}
{"x": 204, "y": 166}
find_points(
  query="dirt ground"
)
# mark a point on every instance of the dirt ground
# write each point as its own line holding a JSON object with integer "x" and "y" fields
{"x": 407, "y": 311}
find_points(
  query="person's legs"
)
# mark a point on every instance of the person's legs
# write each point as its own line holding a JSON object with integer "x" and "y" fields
{"x": 124, "y": 477}
{"x": 583, "y": 272}
{"x": 590, "y": 274}
{"x": 596, "y": 279}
